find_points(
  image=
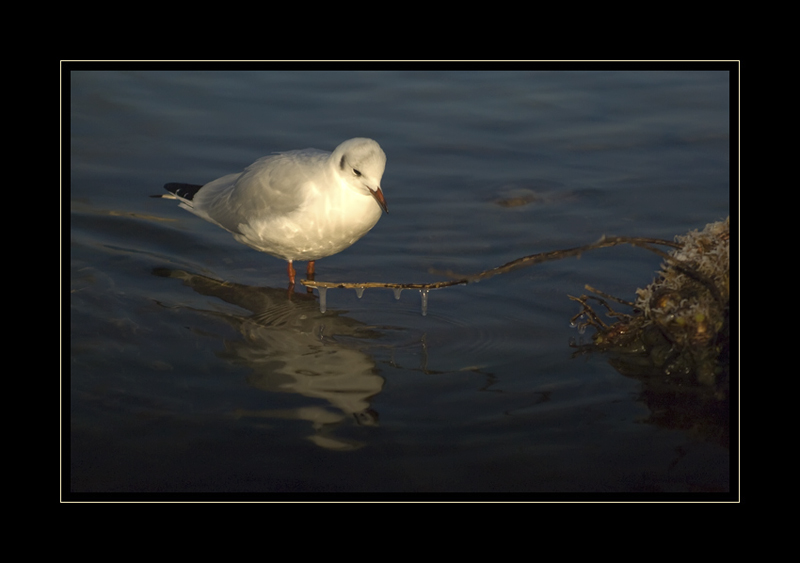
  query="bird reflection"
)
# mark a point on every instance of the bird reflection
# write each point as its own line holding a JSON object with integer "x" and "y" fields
{"x": 291, "y": 348}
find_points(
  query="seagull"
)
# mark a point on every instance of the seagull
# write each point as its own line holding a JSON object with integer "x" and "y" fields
{"x": 296, "y": 205}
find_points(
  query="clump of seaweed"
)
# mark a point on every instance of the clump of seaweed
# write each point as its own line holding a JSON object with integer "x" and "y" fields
{"x": 680, "y": 325}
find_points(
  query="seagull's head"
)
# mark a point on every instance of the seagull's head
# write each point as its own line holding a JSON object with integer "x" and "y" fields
{"x": 360, "y": 163}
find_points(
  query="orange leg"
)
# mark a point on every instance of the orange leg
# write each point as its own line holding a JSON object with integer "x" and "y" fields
{"x": 291, "y": 271}
{"x": 310, "y": 274}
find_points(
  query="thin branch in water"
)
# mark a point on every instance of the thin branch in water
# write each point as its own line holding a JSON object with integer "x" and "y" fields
{"x": 609, "y": 311}
{"x": 362, "y": 285}
{"x": 459, "y": 279}
{"x": 592, "y": 319}
{"x": 608, "y": 296}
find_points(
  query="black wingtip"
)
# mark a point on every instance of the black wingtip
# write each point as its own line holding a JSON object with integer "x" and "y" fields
{"x": 185, "y": 191}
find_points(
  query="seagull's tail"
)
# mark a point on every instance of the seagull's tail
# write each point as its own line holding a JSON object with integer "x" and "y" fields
{"x": 183, "y": 192}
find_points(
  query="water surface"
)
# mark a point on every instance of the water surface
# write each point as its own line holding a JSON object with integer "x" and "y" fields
{"x": 191, "y": 370}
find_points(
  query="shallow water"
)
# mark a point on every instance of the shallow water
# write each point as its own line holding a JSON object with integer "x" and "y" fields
{"x": 191, "y": 369}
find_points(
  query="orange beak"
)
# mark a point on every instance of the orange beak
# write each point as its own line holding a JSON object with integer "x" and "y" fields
{"x": 378, "y": 195}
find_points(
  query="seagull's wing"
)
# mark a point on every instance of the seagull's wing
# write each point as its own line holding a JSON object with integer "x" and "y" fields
{"x": 273, "y": 186}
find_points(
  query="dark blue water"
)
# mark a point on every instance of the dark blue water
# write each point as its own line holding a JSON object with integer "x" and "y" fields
{"x": 190, "y": 369}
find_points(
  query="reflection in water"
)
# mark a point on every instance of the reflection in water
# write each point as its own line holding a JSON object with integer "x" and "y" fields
{"x": 675, "y": 403}
{"x": 290, "y": 347}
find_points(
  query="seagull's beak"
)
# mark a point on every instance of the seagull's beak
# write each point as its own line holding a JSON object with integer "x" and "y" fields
{"x": 378, "y": 195}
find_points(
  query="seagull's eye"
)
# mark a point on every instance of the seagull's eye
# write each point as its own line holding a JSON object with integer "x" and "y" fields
{"x": 356, "y": 172}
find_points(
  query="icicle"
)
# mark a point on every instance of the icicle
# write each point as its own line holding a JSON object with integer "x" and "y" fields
{"x": 322, "y": 305}
{"x": 359, "y": 292}
{"x": 423, "y": 293}
{"x": 397, "y": 291}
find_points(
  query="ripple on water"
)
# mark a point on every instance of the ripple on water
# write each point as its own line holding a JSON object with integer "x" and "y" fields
{"x": 458, "y": 329}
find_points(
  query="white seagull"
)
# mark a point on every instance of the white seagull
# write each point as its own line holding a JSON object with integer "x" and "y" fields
{"x": 296, "y": 205}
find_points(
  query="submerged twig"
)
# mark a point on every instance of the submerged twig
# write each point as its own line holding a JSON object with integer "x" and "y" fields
{"x": 604, "y": 242}
{"x": 363, "y": 285}
{"x": 592, "y": 318}
{"x": 608, "y": 296}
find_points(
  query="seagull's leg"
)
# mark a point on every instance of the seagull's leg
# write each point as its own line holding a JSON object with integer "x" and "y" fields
{"x": 291, "y": 271}
{"x": 310, "y": 274}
